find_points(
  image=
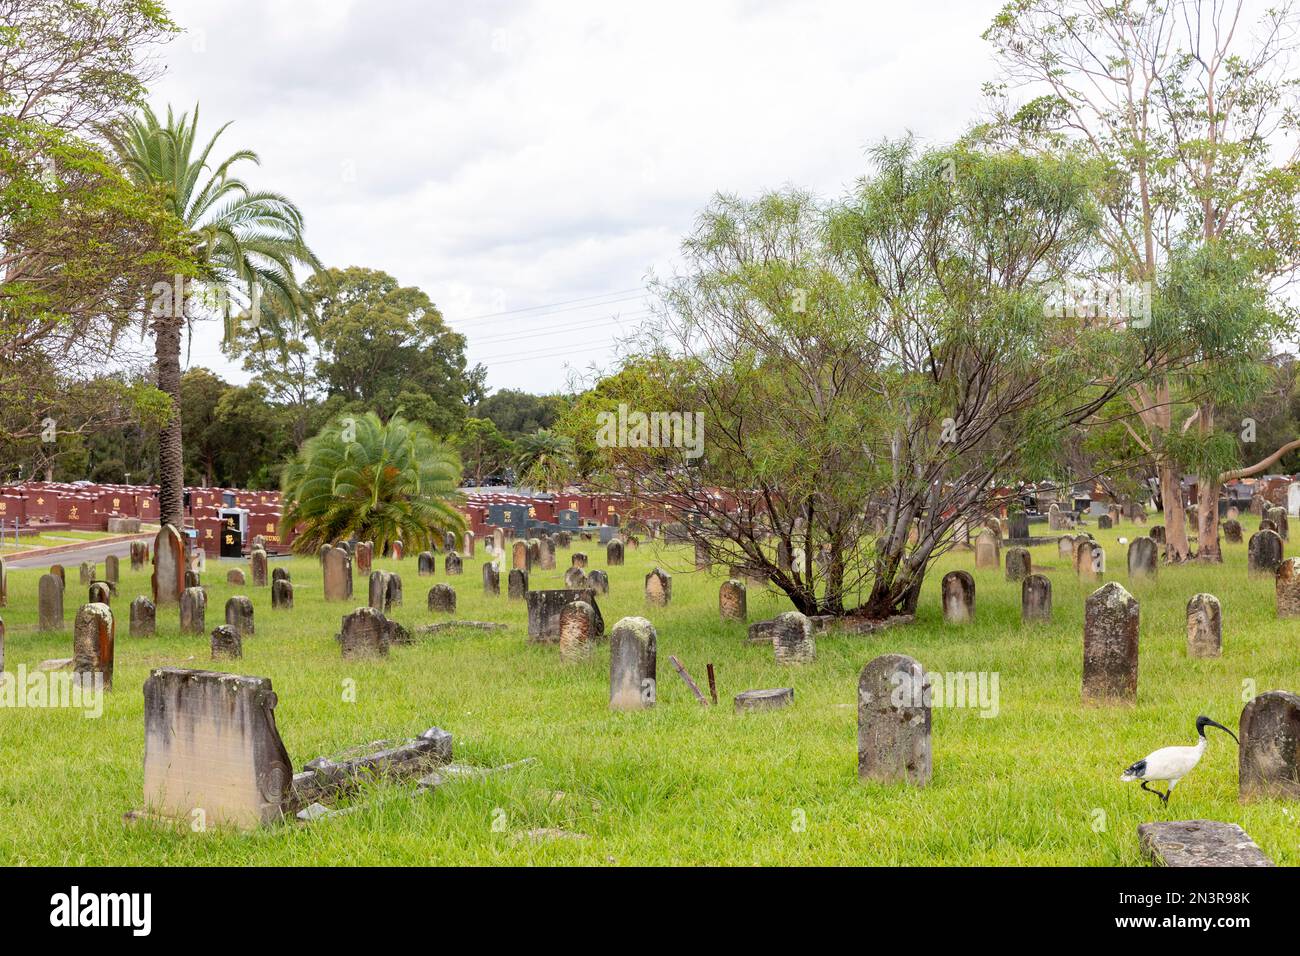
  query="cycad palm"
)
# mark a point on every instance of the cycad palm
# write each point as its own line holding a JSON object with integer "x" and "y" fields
{"x": 543, "y": 459}
{"x": 360, "y": 478}
{"x": 245, "y": 241}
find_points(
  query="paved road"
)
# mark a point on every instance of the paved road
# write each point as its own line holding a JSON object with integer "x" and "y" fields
{"x": 95, "y": 551}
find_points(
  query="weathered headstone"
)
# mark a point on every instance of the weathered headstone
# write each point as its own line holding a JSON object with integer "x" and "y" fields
{"x": 211, "y": 747}
{"x": 1065, "y": 546}
{"x": 442, "y": 599}
{"x": 425, "y": 564}
{"x": 467, "y": 544}
{"x": 1019, "y": 566}
{"x": 58, "y": 572}
{"x": 338, "y": 575}
{"x": 545, "y": 607}
{"x": 112, "y": 569}
{"x": 491, "y": 580}
{"x": 452, "y": 563}
{"x": 1157, "y": 533}
{"x": 1105, "y": 522}
{"x": 894, "y": 722}
{"x": 1204, "y": 626}
{"x": 399, "y": 550}
{"x": 1035, "y": 598}
{"x": 143, "y": 615}
{"x": 1267, "y": 525}
{"x": 1263, "y": 554}
{"x": 520, "y": 556}
{"x": 703, "y": 559}
{"x": 239, "y": 615}
{"x": 578, "y": 559}
{"x": 658, "y": 588}
{"x": 365, "y": 556}
{"x": 1287, "y": 588}
{"x": 100, "y": 592}
{"x": 139, "y": 555}
{"x": 577, "y": 631}
{"x": 574, "y": 578}
{"x": 282, "y": 595}
{"x": 614, "y": 553}
{"x": 1278, "y": 517}
{"x": 257, "y": 560}
{"x": 279, "y": 574}
{"x": 87, "y": 571}
{"x": 632, "y": 661}
{"x": 987, "y": 549}
{"x": 1268, "y": 762}
{"x": 380, "y": 590}
{"x": 50, "y": 603}
{"x": 236, "y": 577}
{"x": 92, "y": 645}
{"x": 227, "y": 643}
{"x": 957, "y": 593}
{"x": 771, "y": 699}
{"x": 194, "y": 605}
{"x": 1183, "y": 843}
{"x": 364, "y": 633}
{"x": 517, "y": 584}
{"x": 1143, "y": 558}
{"x": 192, "y": 579}
{"x": 1089, "y": 559}
{"x": 1110, "y": 646}
{"x": 598, "y": 581}
{"x": 792, "y": 639}
{"x": 1232, "y": 531}
{"x": 1018, "y": 526}
{"x": 733, "y": 601}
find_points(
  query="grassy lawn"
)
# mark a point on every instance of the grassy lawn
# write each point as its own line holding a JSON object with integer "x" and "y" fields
{"x": 1037, "y": 784}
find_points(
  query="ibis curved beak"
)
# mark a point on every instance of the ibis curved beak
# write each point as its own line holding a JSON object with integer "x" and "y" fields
{"x": 1215, "y": 723}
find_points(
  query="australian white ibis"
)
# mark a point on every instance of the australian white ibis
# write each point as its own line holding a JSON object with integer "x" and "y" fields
{"x": 1171, "y": 764}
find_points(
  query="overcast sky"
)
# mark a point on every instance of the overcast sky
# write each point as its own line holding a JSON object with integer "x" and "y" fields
{"x": 512, "y": 157}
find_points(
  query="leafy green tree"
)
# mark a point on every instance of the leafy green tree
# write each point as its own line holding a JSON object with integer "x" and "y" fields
{"x": 543, "y": 460}
{"x": 367, "y": 479}
{"x": 482, "y": 447}
{"x": 245, "y": 242}
{"x": 518, "y": 413}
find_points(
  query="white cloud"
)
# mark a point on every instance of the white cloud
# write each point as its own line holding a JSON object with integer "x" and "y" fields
{"x": 506, "y": 155}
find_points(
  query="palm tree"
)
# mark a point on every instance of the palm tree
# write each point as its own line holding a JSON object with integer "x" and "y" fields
{"x": 246, "y": 242}
{"x": 544, "y": 459}
{"x": 361, "y": 478}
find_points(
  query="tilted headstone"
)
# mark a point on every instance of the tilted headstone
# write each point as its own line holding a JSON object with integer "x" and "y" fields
{"x": 227, "y": 643}
{"x": 658, "y": 588}
{"x": 792, "y": 639}
{"x": 143, "y": 617}
{"x": 168, "y": 566}
{"x": 212, "y": 748}
{"x": 282, "y": 595}
{"x": 632, "y": 660}
{"x": 364, "y": 633}
{"x": 442, "y": 599}
{"x": 598, "y": 581}
{"x": 1264, "y": 554}
{"x": 987, "y": 549}
{"x": 1110, "y": 646}
{"x": 574, "y": 578}
{"x": 1019, "y": 566}
{"x": 1232, "y": 531}
{"x": 733, "y": 601}
{"x": 1268, "y": 761}
{"x": 517, "y": 584}
{"x": 92, "y": 645}
{"x": 1204, "y": 626}
{"x": 194, "y": 605}
{"x": 239, "y": 615}
{"x": 257, "y": 560}
{"x": 614, "y": 553}
{"x": 894, "y": 722}
{"x": 452, "y": 563}
{"x": 545, "y": 607}
{"x": 577, "y": 631}
{"x": 1035, "y": 598}
{"x": 425, "y": 564}
{"x": 338, "y": 575}
{"x": 1143, "y": 558}
{"x": 491, "y": 580}
{"x": 957, "y": 592}
{"x": 50, "y": 603}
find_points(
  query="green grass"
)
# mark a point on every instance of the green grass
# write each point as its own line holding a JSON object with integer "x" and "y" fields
{"x": 52, "y": 540}
{"x": 677, "y": 784}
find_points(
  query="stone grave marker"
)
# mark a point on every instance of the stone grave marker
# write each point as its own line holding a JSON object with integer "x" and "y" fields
{"x": 894, "y": 722}
{"x": 545, "y": 608}
{"x": 1143, "y": 558}
{"x": 1264, "y": 554}
{"x": 112, "y": 569}
{"x": 168, "y": 566}
{"x": 578, "y": 560}
{"x": 1019, "y": 566}
{"x": 632, "y": 661}
{"x": 364, "y": 634}
{"x": 1110, "y": 646}
{"x": 442, "y": 599}
{"x": 577, "y": 631}
{"x": 1268, "y": 761}
{"x": 987, "y": 549}
{"x": 227, "y": 644}
{"x": 792, "y": 639}
{"x": 50, "y": 603}
{"x": 732, "y": 601}
{"x": 771, "y": 699}
{"x": 239, "y": 615}
{"x": 338, "y": 574}
{"x": 143, "y": 615}
{"x": 92, "y": 645}
{"x": 236, "y": 577}
{"x": 1035, "y": 599}
{"x": 614, "y": 553}
{"x": 658, "y": 588}
{"x": 1183, "y": 843}
{"x": 282, "y": 595}
{"x": 257, "y": 560}
{"x": 1204, "y": 626}
{"x": 1232, "y": 531}
{"x": 598, "y": 581}
{"x": 517, "y": 584}
{"x": 491, "y": 580}
{"x": 139, "y": 555}
{"x": 194, "y": 604}
{"x": 425, "y": 564}
{"x": 957, "y": 592}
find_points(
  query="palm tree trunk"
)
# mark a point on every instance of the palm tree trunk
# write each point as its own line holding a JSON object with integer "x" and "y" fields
{"x": 171, "y": 460}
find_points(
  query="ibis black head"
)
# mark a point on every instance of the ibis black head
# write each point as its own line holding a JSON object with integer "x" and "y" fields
{"x": 1202, "y": 722}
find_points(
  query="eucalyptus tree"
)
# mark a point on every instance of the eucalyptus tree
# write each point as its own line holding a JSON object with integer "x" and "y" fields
{"x": 247, "y": 243}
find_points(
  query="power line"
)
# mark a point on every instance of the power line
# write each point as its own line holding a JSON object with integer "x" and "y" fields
{"x": 563, "y": 354}
{"x": 551, "y": 305}
{"x": 603, "y": 320}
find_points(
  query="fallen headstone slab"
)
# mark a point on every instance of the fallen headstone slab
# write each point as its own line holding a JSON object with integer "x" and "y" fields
{"x": 464, "y": 771}
{"x": 55, "y": 664}
{"x": 541, "y": 834}
{"x": 771, "y": 699}
{"x": 318, "y": 811}
{"x": 452, "y": 625}
{"x": 323, "y": 778}
{"x": 1199, "y": 843}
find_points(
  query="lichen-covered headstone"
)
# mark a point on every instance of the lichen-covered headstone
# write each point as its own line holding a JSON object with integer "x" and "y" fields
{"x": 598, "y": 581}
{"x": 338, "y": 574}
{"x": 452, "y": 563}
{"x": 733, "y": 601}
{"x": 257, "y": 561}
{"x": 632, "y": 661}
{"x": 577, "y": 631}
{"x": 1232, "y": 531}
{"x": 425, "y": 564}
{"x": 1268, "y": 762}
{"x": 792, "y": 639}
{"x": 1204, "y": 626}
{"x": 1035, "y": 599}
{"x": 1019, "y": 566}
{"x": 545, "y": 608}
{"x": 100, "y": 593}
{"x": 491, "y": 580}
{"x": 894, "y": 722}
{"x": 1110, "y": 646}
{"x": 442, "y": 599}
{"x": 517, "y": 584}
{"x": 212, "y": 749}
{"x": 957, "y": 592}
{"x": 578, "y": 559}
{"x": 282, "y": 595}
{"x": 658, "y": 588}
{"x": 614, "y": 553}
{"x": 227, "y": 643}
{"x": 1143, "y": 558}
{"x": 574, "y": 578}
{"x": 92, "y": 645}
{"x": 143, "y": 617}
{"x": 239, "y": 615}
{"x": 1278, "y": 517}
{"x": 1287, "y": 588}
{"x": 1263, "y": 554}
{"x": 364, "y": 633}
{"x": 519, "y": 556}
{"x": 194, "y": 605}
